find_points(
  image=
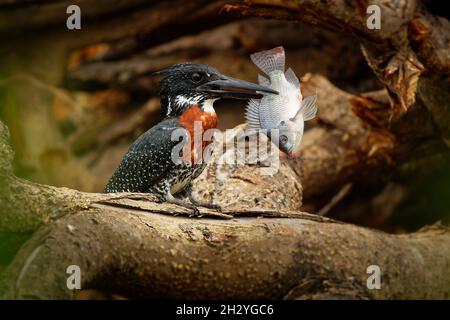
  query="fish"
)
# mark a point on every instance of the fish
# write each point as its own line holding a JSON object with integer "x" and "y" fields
{"x": 286, "y": 111}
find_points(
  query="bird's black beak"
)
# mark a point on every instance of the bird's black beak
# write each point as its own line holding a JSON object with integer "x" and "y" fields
{"x": 228, "y": 87}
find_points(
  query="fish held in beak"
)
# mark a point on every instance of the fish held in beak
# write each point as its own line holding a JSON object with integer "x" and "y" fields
{"x": 286, "y": 111}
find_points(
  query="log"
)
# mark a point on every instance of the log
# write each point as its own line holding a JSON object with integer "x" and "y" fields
{"x": 150, "y": 255}
{"x": 138, "y": 249}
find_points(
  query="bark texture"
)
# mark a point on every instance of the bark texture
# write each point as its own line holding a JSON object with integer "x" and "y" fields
{"x": 137, "y": 249}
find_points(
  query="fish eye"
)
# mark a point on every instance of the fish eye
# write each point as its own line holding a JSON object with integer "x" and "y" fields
{"x": 282, "y": 122}
{"x": 283, "y": 139}
{"x": 196, "y": 77}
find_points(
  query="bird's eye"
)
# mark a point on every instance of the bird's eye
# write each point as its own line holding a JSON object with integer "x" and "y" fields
{"x": 196, "y": 77}
{"x": 283, "y": 139}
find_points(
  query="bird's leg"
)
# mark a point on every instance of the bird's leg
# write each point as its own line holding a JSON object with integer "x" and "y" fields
{"x": 198, "y": 202}
{"x": 163, "y": 193}
{"x": 169, "y": 198}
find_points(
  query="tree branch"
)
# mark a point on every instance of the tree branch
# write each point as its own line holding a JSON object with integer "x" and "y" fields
{"x": 128, "y": 247}
{"x": 141, "y": 255}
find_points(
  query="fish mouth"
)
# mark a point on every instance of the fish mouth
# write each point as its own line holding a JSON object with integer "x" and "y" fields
{"x": 294, "y": 152}
{"x": 228, "y": 87}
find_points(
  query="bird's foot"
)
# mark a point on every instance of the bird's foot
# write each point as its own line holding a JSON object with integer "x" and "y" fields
{"x": 187, "y": 205}
{"x": 205, "y": 204}
{"x": 195, "y": 210}
{"x": 214, "y": 206}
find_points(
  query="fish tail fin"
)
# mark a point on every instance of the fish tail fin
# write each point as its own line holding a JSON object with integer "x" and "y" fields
{"x": 308, "y": 108}
{"x": 269, "y": 60}
{"x": 252, "y": 113}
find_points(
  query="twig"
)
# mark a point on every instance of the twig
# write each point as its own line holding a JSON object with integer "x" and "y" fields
{"x": 335, "y": 199}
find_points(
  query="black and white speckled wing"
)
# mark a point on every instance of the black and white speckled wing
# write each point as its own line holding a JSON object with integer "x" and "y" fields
{"x": 147, "y": 161}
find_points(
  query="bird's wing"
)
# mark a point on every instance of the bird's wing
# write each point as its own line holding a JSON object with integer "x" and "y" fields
{"x": 149, "y": 159}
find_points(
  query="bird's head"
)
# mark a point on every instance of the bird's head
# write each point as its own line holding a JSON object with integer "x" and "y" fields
{"x": 188, "y": 83}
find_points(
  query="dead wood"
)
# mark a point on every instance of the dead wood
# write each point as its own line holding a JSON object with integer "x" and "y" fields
{"x": 137, "y": 248}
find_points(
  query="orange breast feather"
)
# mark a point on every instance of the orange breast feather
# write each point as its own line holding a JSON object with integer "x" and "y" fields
{"x": 208, "y": 120}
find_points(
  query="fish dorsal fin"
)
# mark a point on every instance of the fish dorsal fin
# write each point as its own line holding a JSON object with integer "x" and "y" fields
{"x": 263, "y": 80}
{"x": 252, "y": 113}
{"x": 269, "y": 60}
{"x": 309, "y": 107}
{"x": 292, "y": 78}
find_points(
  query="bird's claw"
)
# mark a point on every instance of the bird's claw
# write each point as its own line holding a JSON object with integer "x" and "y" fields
{"x": 215, "y": 206}
{"x": 209, "y": 205}
{"x": 195, "y": 212}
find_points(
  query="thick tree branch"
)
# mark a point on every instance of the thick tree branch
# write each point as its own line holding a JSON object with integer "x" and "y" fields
{"x": 127, "y": 247}
{"x": 150, "y": 255}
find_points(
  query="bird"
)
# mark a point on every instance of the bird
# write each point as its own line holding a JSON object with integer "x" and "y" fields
{"x": 156, "y": 162}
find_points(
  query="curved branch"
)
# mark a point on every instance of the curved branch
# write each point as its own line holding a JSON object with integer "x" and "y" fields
{"x": 128, "y": 247}
{"x": 148, "y": 255}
